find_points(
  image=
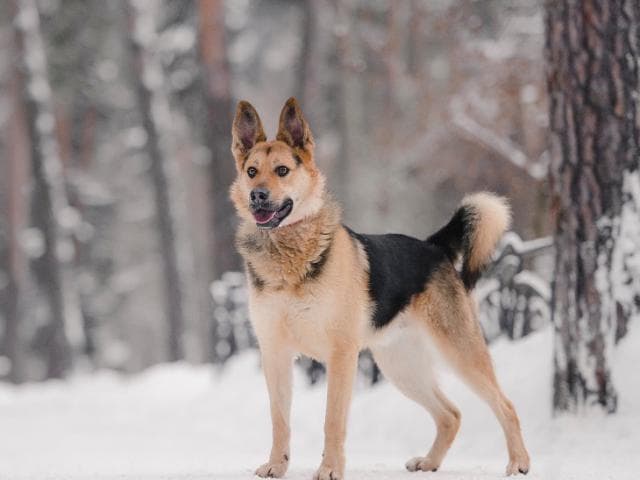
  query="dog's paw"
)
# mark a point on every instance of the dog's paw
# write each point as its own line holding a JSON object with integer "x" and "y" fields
{"x": 328, "y": 473}
{"x": 518, "y": 465}
{"x": 424, "y": 464}
{"x": 272, "y": 470}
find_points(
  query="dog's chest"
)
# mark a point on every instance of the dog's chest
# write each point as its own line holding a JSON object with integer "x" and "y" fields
{"x": 308, "y": 325}
{"x": 303, "y": 321}
{"x": 282, "y": 266}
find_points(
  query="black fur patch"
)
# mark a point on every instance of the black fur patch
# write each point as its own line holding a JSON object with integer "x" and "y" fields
{"x": 451, "y": 237}
{"x": 256, "y": 280}
{"x": 297, "y": 159}
{"x": 399, "y": 268}
{"x": 249, "y": 243}
{"x": 268, "y": 149}
{"x": 318, "y": 265}
{"x": 455, "y": 239}
{"x": 469, "y": 277}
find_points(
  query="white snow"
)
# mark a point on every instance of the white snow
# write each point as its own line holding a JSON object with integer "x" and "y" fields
{"x": 32, "y": 242}
{"x": 190, "y": 423}
{"x": 27, "y": 18}
{"x": 178, "y": 39}
{"x": 144, "y": 32}
{"x": 625, "y": 270}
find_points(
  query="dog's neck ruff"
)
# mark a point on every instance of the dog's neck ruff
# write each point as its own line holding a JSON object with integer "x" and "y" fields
{"x": 288, "y": 256}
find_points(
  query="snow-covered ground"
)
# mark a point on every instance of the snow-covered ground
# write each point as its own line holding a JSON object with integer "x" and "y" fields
{"x": 191, "y": 423}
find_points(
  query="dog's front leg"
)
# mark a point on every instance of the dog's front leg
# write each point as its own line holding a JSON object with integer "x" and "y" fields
{"x": 277, "y": 366}
{"x": 341, "y": 369}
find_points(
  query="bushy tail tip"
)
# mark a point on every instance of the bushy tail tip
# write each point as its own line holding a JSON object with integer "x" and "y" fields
{"x": 474, "y": 231}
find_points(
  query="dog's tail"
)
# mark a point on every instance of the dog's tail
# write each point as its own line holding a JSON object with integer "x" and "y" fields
{"x": 474, "y": 232}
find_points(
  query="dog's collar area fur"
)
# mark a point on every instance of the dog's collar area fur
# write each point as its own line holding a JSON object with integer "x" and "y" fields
{"x": 288, "y": 256}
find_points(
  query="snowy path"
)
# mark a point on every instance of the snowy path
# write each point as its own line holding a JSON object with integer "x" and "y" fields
{"x": 189, "y": 423}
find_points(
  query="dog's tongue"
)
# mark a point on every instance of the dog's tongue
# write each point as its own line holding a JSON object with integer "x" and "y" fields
{"x": 264, "y": 216}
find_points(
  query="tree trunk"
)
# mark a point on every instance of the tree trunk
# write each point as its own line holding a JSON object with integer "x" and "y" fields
{"x": 344, "y": 86}
{"x": 49, "y": 199}
{"x": 154, "y": 110}
{"x": 17, "y": 158}
{"x": 307, "y": 27}
{"x": 195, "y": 229}
{"x": 217, "y": 87}
{"x": 593, "y": 52}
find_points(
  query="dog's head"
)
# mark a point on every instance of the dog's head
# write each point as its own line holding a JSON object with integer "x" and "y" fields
{"x": 278, "y": 183}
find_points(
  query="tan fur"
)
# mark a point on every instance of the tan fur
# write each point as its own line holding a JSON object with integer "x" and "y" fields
{"x": 327, "y": 317}
{"x": 448, "y": 313}
{"x": 291, "y": 118}
{"x": 283, "y": 258}
{"x": 493, "y": 219}
{"x": 406, "y": 360}
{"x": 247, "y": 126}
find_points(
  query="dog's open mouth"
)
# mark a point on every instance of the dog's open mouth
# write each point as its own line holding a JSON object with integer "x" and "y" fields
{"x": 271, "y": 218}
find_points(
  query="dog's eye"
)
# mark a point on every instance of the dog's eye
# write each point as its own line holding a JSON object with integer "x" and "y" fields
{"x": 252, "y": 172}
{"x": 282, "y": 171}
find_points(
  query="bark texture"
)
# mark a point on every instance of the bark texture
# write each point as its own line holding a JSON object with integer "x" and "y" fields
{"x": 593, "y": 54}
{"x": 303, "y": 70}
{"x": 48, "y": 203}
{"x": 17, "y": 167}
{"x": 154, "y": 110}
{"x": 217, "y": 87}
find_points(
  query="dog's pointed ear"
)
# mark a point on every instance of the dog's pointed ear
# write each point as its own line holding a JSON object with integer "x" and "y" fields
{"x": 293, "y": 128}
{"x": 246, "y": 131}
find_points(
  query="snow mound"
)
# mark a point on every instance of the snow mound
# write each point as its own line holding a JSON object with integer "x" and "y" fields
{"x": 195, "y": 422}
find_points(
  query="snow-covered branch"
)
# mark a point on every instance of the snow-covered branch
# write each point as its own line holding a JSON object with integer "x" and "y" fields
{"x": 486, "y": 137}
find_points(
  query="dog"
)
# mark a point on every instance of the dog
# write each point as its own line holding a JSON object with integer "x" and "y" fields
{"x": 318, "y": 288}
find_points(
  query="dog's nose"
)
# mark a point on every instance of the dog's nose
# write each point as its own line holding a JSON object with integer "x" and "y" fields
{"x": 259, "y": 194}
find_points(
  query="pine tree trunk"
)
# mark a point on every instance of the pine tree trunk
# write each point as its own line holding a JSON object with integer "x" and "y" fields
{"x": 307, "y": 31}
{"x": 154, "y": 110}
{"x": 49, "y": 198}
{"x": 344, "y": 86}
{"x": 217, "y": 87}
{"x": 593, "y": 52}
{"x": 16, "y": 207}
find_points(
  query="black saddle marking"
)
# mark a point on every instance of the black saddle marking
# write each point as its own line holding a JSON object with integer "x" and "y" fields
{"x": 399, "y": 268}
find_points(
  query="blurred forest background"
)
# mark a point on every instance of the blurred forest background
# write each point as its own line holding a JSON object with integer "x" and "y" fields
{"x": 116, "y": 235}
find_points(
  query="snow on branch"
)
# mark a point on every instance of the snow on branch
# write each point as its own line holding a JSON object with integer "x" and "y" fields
{"x": 409, "y": 156}
{"x": 505, "y": 148}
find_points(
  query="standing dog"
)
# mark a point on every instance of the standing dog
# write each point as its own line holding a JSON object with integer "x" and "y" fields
{"x": 319, "y": 288}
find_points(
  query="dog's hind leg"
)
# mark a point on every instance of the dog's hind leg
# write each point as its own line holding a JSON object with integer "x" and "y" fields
{"x": 449, "y": 314}
{"x": 405, "y": 360}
